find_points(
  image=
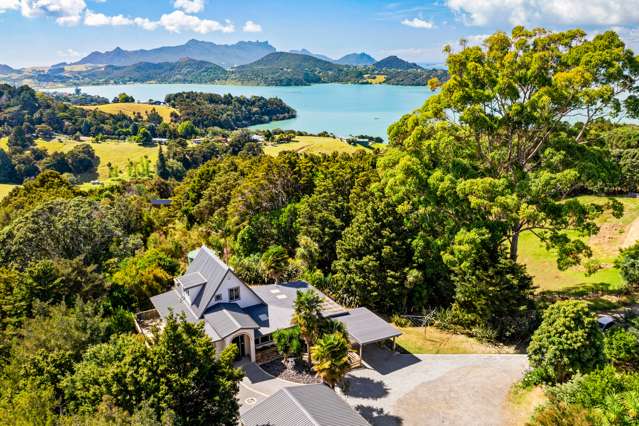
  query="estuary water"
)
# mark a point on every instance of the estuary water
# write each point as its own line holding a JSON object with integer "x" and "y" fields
{"x": 342, "y": 109}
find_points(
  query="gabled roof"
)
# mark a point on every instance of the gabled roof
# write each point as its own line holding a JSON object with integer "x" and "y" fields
{"x": 227, "y": 318}
{"x": 191, "y": 280}
{"x": 309, "y": 405}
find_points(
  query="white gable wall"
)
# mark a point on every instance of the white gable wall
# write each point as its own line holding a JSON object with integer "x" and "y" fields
{"x": 247, "y": 297}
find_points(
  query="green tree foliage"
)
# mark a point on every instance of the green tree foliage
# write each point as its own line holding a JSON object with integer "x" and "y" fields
{"x": 308, "y": 315}
{"x": 123, "y": 98}
{"x": 622, "y": 347}
{"x": 628, "y": 265}
{"x": 491, "y": 291}
{"x": 161, "y": 168}
{"x": 146, "y": 275}
{"x": 82, "y": 159}
{"x": 510, "y": 99}
{"x": 274, "y": 262}
{"x": 330, "y": 358}
{"x": 226, "y": 111}
{"x": 567, "y": 342}
{"x": 288, "y": 342}
{"x": 144, "y": 137}
{"x": 8, "y": 173}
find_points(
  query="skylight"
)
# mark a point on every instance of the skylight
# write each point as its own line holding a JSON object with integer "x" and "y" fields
{"x": 281, "y": 296}
{"x": 263, "y": 317}
{"x": 274, "y": 291}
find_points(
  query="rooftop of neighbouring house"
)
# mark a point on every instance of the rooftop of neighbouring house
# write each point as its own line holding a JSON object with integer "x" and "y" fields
{"x": 312, "y": 405}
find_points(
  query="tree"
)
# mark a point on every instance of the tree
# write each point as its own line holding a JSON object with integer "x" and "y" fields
{"x": 19, "y": 139}
{"x": 567, "y": 342}
{"x": 8, "y": 172}
{"x": 330, "y": 358}
{"x": 82, "y": 159}
{"x": 161, "y": 168}
{"x": 622, "y": 347}
{"x": 144, "y": 137}
{"x": 123, "y": 98}
{"x": 186, "y": 129}
{"x": 274, "y": 262}
{"x": 500, "y": 118}
{"x": 288, "y": 343}
{"x": 628, "y": 265}
{"x": 307, "y": 315}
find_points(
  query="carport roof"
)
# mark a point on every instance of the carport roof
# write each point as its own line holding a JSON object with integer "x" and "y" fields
{"x": 365, "y": 327}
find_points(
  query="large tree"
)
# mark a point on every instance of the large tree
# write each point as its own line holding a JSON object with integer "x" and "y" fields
{"x": 501, "y": 120}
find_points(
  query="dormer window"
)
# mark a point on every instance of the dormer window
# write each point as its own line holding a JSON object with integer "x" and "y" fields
{"x": 234, "y": 294}
{"x": 218, "y": 297}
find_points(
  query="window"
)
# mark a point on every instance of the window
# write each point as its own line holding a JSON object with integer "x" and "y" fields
{"x": 218, "y": 297}
{"x": 234, "y": 294}
{"x": 264, "y": 340}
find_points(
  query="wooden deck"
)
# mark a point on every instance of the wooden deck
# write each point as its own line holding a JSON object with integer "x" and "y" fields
{"x": 148, "y": 322}
{"x": 354, "y": 360}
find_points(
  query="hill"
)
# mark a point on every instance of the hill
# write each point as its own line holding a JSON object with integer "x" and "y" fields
{"x": 6, "y": 69}
{"x": 224, "y": 55}
{"x": 356, "y": 59}
{"x": 291, "y": 69}
{"x": 309, "y": 53}
{"x": 182, "y": 71}
{"x": 312, "y": 145}
{"x": 395, "y": 63}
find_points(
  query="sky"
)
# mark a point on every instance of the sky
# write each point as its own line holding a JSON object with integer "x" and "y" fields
{"x": 44, "y": 32}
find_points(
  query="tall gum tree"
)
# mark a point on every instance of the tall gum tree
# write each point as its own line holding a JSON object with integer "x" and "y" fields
{"x": 510, "y": 127}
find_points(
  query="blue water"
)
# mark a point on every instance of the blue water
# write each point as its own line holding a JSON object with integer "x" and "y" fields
{"x": 342, "y": 109}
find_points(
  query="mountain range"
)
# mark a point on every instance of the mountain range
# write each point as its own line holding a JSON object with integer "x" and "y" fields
{"x": 354, "y": 59}
{"x": 6, "y": 69}
{"x": 224, "y": 55}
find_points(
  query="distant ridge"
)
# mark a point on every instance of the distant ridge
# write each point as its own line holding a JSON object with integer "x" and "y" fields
{"x": 395, "y": 63}
{"x": 6, "y": 69}
{"x": 224, "y": 55}
{"x": 292, "y": 61}
{"x": 356, "y": 59}
{"x": 315, "y": 55}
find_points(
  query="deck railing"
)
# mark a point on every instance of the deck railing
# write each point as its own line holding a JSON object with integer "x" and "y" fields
{"x": 147, "y": 322}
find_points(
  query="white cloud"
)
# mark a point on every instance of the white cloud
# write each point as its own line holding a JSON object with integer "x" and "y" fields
{"x": 92, "y": 19}
{"x": 9, "y": 5}
{"x": 178, "y": 21}
{"x": 418, "y": 23}
{"x": 189, "y": 6}
{"x": 566, "y": 12}
{"x": 67, "y": 9}
{"x": 69, "y": 53}
{"x": 69, "y": 21}
{"x": 146, "y": 23}
{"x": 252, "y": 27}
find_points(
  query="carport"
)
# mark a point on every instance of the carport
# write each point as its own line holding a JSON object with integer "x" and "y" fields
{"x": 364, "y": 328}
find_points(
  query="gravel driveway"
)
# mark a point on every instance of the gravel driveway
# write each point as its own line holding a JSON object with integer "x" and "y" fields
{"x": 433, "y": 389}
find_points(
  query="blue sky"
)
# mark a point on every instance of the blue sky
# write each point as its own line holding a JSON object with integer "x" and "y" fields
{"x": 43, "y": 32}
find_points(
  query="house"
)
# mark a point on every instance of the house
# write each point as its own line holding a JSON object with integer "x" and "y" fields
{"x": 233, "y": 312}
{"x": 313, "y": 405}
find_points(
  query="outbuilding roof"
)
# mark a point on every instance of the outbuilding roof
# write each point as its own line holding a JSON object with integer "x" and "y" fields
{"x": 365, "y": 327}
{"x": 310, "y": 405}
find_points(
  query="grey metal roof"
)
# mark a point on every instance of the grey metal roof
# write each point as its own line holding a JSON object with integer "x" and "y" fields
{"x": 213, "y": 270}
{"x": 171, "y": 302}
{"x": 310, "y": 405}
{"x": 365, "y": 327}
{"x": 227, "y": 318}
{"x": 193, "y": 279}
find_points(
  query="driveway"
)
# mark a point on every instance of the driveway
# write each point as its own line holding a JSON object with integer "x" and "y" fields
{"x": 257, "y": 385}
{"x": 408, "y": 390}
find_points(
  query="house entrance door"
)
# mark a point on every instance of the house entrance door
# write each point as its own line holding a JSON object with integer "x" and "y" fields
{"x": 240, "y": 342}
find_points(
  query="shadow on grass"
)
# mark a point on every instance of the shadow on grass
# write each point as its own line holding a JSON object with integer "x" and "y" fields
{"x": 364, "y": 387}
{"x": 377, "y": 416}
{"x": 600, "y": 296}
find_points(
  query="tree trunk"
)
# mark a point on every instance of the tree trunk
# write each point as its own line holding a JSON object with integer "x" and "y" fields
{"x": 514, "y": 245}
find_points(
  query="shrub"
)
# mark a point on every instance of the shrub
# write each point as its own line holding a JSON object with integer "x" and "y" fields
{"x": 288, "y": 342}
{"x": 622, "y": 347}
{"x": 400, "y": 321}
{"x": 568, "y": 341}
{"x": 628, "y": 265}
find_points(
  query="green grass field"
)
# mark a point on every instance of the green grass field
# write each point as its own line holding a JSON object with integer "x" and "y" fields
{"x": 116, "y": 153}
{"x": 131, "y": 109}
{"x": 312, "y": 145}
{"x": 431, "y": 340}
{"x": 605, "y": 245}
{"x": 5, "y": 189}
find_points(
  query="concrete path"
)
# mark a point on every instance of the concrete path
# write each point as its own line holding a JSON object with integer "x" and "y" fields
{"x": 257, "y": 385}
{"x": 433, "y": 389}
{"x": 632, "y": 236}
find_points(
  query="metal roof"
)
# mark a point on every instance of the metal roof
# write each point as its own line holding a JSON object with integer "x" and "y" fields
{"x": 227, "y": 318}
{"x": 171, "y": 301}
{"x": 309, "y": 405}
{"x": 213, "y": 270}
{"x": 191, "y": 280}
{"x": 365, "y": 327}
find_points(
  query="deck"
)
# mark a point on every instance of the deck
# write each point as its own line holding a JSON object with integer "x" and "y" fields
{"x": 148, "y": 322}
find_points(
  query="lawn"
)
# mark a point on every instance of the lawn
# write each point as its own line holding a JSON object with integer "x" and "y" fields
{"x": 378, "y": 79}
{"x": 521, "y": 404}
{"x": 312, "y": 145}
{"x": 5, "y": 189}
{"x": 605, "y": 245}
{"x": 116, "y": 153}
{"x": 131, "y": 109}
{"x": 431, "y": 340}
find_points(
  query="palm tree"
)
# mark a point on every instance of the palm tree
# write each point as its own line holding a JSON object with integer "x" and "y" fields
{"x": 330, "y": 358}
{"x": 274, "y": 262}
{"x": 308, "y": 315}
